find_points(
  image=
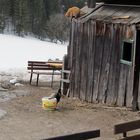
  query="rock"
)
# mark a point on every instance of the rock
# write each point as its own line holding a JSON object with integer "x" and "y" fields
{"x": 3, "y": 89}
{"x": 9, "y": 95}
{"x": 19, "y": 85}
{"x": 20, "y": 93}
{"x": 5, "y": 96}
{"x": 6, "y": 85}
{"x": 13, "y": 81}
{"x": 4, "y": 99}
{"x": 20, "y": 79}
{"x": 3, "y": 113}
{"x": 2, "y": 73}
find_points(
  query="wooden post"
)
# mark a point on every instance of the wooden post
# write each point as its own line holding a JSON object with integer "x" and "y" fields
{"x": 91, "y": 3}
{"x": 31, "y": 78}
{"x": 31, "y": 73}
{"x": 37, "y": 79}
{"x": 52, "y": 79}
{"x": 65, "y": 75}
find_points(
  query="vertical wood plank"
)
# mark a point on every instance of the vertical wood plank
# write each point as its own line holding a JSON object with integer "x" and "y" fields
{"x": 98, "y": 59}
{"x": 111, "y": 81}
{"x": 73, "y": 46}
{"x": 131, "y": 97}
{"x": 88, "y": 48}
{"x": 75, "y": 60}
{"x": 139, "y": 93}
{"x": 91, "y": 53}
{"x": 78, "y": 59}
{"x": 130, "y": 82}
{"x": 105, "y": 66}
{"x": 84, "y": 63}
{"x": 71, "y": 43}
{"x": 122, "y": 85}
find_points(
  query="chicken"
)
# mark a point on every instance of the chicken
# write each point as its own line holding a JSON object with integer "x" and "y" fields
{"x": 56, "y": 95}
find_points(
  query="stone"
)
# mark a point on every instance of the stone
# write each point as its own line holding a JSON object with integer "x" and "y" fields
{"x": 3, "y": 113}
{"x": 6, "y": 85}
{"x": 13, "y": 81}
{"x": 6, "y": 96}
{"x": 19, "y": 85}
{"x": 20, "y": 93}
{"x": 3, "y": 89}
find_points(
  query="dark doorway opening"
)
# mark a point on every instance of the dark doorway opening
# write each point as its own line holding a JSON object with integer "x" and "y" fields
{"x": 136, "y": 73}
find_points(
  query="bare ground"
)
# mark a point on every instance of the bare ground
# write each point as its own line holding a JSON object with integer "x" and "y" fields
{"x": 26, "y": 120}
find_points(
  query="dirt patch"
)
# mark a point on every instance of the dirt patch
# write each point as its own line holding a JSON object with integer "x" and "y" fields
{"x": 26, "y": 120}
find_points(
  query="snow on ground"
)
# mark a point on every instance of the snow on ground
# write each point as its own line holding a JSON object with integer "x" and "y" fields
{"x": 16, "y": 51}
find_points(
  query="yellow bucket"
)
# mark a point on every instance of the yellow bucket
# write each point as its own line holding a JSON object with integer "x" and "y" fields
{"x": 49, "y": 104}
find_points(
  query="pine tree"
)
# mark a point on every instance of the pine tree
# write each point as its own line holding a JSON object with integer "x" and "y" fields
{"x": 2, "y": 25}
{"x": 71, "y": 3}
{"x": 20, "y": 16}
{"x": 37, "y": 17}
{"x": 31, "y": 16}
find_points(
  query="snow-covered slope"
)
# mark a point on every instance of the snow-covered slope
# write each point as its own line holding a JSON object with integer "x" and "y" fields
{"x": 16, "y": 51}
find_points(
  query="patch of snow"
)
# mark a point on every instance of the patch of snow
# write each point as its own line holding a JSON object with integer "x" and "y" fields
{"x": 13, "y": 81}
{"x": 15, "y": 52}
{"x": 19, "y": 85}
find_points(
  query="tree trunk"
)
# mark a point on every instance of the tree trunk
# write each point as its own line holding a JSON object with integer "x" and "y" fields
{"x": 91, "y": 3}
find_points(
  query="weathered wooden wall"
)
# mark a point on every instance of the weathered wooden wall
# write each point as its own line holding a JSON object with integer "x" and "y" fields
{"x": 94, "y": 58}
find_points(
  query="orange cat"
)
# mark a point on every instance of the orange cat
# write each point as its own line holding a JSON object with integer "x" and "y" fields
{"x": 73, "y": 12}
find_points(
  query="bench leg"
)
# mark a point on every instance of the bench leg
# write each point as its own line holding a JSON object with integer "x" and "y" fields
{"x": 52, "y": 79}
{"x": 37, "y": 79}
{"x": 31, "y": 78}
{"x": 124, "y": 134}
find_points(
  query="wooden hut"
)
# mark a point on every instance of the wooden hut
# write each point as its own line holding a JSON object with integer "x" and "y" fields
{"x": 104, "y": 55}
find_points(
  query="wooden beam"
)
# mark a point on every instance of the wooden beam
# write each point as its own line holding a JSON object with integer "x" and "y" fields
{"x": 128, "y": 126}
{"x": 78, "y": 136}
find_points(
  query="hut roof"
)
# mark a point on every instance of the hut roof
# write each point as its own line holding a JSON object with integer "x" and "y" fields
{"x": 125, "y": 14}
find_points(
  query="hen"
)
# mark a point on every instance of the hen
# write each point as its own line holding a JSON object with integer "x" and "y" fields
{"x": 56, "y": 95}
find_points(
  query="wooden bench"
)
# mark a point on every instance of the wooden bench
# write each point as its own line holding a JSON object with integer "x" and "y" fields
{"x": 78, "y": 136}
{"x": 125, "y": 127}
{"x": 44, "y": 68}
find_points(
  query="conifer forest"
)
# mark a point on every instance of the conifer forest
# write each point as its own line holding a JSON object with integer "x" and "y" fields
{"x": 40, "y": 18}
